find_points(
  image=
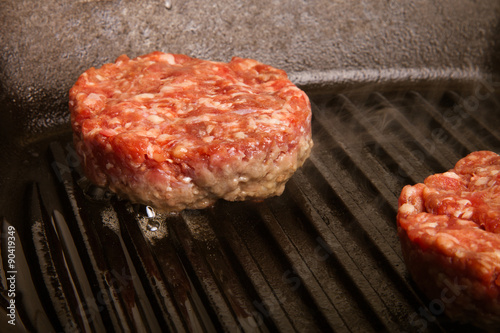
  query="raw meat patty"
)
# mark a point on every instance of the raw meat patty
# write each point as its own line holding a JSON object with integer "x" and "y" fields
{"x": 175, "y": 132}
{"x": 449, "y": 229}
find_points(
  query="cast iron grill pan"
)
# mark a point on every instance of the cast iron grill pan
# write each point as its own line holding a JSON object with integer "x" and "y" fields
{"x": 324, "y": 256}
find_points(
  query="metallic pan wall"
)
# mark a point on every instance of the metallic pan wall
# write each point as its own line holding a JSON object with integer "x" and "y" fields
{"x": 45, "y": 45}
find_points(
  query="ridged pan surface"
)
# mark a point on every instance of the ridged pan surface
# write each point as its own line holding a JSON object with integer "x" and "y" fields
{"x": 322, "y": 257}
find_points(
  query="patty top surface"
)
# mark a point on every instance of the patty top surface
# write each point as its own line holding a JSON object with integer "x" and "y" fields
{"x": 470, "y": 191}
{"x": 160, "y": 107}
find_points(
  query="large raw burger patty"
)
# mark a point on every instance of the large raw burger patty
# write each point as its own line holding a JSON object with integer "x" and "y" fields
{"x": 175, "y": 132}
{"x": 449, "y": 229}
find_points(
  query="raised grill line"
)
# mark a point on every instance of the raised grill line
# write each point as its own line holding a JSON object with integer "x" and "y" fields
{"x": 405, "y": 159}
{"x": 445, "y": 160}
{"x": 446, "y": 125}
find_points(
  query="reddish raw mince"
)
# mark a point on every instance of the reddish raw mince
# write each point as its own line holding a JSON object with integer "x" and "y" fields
{"x": 175, "y": 132}
{"x": 449, "y": 229}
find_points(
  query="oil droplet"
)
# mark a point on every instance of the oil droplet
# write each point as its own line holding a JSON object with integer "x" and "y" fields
{"x": 153, "y": 225}
{"x": 150, "y": 212}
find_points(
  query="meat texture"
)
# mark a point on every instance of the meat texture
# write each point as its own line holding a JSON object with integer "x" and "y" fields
{"x": 175, "y": 132}
{"x": 449, "y": 228}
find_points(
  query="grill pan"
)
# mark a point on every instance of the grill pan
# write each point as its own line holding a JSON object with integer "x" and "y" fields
{"x": 322, "y": 257}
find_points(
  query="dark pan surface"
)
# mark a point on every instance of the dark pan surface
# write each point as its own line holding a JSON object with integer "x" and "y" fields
{"x": 324, "y": 256}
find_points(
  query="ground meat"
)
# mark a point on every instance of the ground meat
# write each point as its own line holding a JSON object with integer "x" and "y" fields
{"x": 175, "y": 132}
{"x": 449, "y": 229}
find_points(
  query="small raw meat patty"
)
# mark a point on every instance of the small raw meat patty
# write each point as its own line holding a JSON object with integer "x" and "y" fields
{"x": 449, "y": 229}
{"x": 174, "y": 132}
